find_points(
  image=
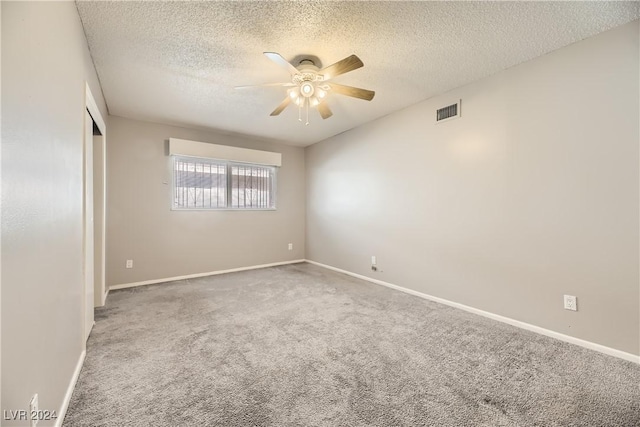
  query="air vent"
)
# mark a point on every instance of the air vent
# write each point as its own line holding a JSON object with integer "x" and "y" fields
{"x": 449, "y": 112}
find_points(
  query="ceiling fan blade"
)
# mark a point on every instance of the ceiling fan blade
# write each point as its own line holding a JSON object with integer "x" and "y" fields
{"x": 349, "y": 63}
{"x": 278, "y": 59}
{"x": 281, "y": 107}
{"x": 355, "y": 92}
{"x": 265, "y": 85}
{"x": 324, "y": 110}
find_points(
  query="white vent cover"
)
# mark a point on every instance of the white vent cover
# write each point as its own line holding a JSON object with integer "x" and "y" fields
{"x": 449, "y": 112}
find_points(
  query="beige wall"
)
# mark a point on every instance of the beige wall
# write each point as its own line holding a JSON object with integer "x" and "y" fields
{"x": 531, "y": 194}
{"x": 45, "y": 63}
{"x": 165, "y": 243}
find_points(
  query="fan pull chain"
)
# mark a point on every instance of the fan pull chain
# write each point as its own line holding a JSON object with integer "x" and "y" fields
{"x": 299, "y": 112}
{"x": 307, "y": 124}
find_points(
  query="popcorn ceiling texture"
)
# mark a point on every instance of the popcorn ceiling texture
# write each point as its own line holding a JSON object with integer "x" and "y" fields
{"x": 177, "y": 62}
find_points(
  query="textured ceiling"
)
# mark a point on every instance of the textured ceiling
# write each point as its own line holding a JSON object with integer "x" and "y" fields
{"x": 178, "y": 62}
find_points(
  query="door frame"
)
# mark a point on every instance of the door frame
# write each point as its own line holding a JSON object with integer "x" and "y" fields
{"x": 98, "y": 288}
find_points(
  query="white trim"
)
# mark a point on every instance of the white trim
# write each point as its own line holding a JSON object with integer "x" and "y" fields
{"x": 1, "y": 208}
{"x": 94, "y": 112}
{"x": 193, "y": 276}
{"x": 69, "y": 393}
{"x": 104, "y": 297}
{"x": 91, "y": 105}
{"x": 529, "y": 327}
{"x": 228, "y": 165}
{"x": 103, "y": 219}
{"x": 88, "y": 226}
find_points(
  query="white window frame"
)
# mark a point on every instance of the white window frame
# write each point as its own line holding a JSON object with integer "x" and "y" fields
{"x": 228, "y": 184}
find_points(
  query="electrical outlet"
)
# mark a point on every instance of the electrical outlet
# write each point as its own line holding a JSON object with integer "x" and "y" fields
{"x": 373, "y": 260}
{"x": 129, "y": 263}
{"x": 290, "y": 246}
{"x": 570, "y": 303}
{"x": 33, "y": 410}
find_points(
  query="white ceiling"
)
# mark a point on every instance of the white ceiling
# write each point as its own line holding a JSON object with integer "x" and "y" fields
{"x": 178, "y": 62}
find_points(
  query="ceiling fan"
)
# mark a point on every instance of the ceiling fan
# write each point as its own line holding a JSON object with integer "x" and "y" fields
{"x": 309, "y": 85}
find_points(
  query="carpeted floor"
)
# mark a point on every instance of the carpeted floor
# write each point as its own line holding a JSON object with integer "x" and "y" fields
{"x": 300, "y": 345}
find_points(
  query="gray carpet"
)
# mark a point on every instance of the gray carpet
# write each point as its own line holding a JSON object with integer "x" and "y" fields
{"x": 300, "y": 345}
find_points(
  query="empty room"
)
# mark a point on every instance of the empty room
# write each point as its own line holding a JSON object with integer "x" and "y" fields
{"x": 320, "y": 213}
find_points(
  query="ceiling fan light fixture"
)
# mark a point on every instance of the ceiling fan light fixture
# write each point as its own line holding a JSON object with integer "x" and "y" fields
{"x": 307, "y": 89}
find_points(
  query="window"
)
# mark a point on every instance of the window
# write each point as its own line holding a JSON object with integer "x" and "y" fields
{"x": 200, "y": 183}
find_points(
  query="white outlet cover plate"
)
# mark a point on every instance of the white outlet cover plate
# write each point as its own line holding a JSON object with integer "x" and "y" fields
{"x": 570, "y": 302}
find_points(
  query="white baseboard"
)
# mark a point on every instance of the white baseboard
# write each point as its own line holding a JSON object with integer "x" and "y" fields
{"x": 562, "y": 337}
{"x": 70, "y": 388}
{"x": 210, "y": 273}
